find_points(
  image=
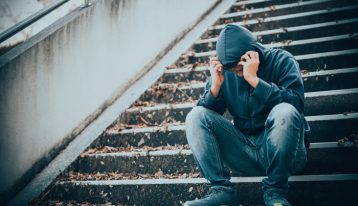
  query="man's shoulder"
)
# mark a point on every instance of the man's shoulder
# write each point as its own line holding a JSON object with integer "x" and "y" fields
{"x": 283, "y": 61}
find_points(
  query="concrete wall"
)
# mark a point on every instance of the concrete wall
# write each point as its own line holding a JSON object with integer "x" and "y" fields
{"x": 51, "y": 85}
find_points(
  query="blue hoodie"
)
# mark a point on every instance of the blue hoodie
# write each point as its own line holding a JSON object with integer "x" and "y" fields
{"x": 279, "y": 81}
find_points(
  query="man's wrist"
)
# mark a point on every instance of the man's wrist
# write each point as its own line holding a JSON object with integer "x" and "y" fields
{"x": 215, "y": 89}
{"x": 253, "y": 81}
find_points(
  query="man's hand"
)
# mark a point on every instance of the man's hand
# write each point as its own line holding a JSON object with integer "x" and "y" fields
{"x": 250, "y": 62}
{"x": 217, "y": 75}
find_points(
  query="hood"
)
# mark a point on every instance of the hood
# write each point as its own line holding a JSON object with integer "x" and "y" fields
{"x": 233, "y": 42}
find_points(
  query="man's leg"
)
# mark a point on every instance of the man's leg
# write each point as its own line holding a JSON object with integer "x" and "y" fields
{"x": 283, "y": 152}
{"x": 213, "y": 141}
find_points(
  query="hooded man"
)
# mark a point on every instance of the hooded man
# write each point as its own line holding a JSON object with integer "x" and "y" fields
{"x": 262, "y": 88}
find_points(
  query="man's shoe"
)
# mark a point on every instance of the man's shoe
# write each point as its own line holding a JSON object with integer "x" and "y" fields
{"x": 273, "y": 198}
{"x": 217, "y": 195}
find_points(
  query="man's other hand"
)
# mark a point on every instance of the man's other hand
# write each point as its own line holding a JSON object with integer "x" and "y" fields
{"x": 217, "y": 75}
{"x": 216, "y": 71}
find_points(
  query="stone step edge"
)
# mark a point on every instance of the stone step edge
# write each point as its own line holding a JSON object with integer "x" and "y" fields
{"x": 291, "y": 43}
{"x": 248, "y": 2}
{"x": 285, "y": 17}
{"x": 298, "y": 178}
{"x": 275, "y": 8}
{"x": 199, "y": 85}
{"x": 289, "y": 29}
{"x": 181, "y": 126}
{"x": 313, "y": 146}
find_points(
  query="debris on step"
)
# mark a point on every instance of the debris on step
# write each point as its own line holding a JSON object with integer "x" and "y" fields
{"x": 349, "y": 141}
{"x": 348, "y": 112}
{"x": 74, "y": 203}
{"x": 108, "y": 149}
{"x": 121, "y": 126}
{"x": 76, "y": 176}
{"x": 139, "y": 103}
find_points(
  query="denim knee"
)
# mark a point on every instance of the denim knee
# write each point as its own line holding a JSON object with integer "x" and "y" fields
{"x": 196, "y": 115}
{"x": 283, "y": 118}
{"x": 283, "y": 113}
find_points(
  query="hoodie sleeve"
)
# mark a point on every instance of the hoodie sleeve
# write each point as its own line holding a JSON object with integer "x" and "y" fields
{"x": 289, "y": 87}
{"x": 209, "y": 101}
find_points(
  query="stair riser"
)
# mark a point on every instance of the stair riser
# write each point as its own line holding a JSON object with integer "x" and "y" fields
{"x": 316, "y": 193}
{"x": 278, "y": 12}
{"x": 321, "y": 161}
{"x": 296, "y": 35}
{"x": 334, "y": 104}
{"x": 327, "y": 63}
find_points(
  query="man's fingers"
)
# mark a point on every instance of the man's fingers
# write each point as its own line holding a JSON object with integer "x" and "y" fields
{"x": 218, "y": 67}
{"x": 253, "y": 54}
{"x": 214, "y": 62}
{"x": 242, "y": 63}
{"x": 245, "y": 57}
{"x": 214, "y": 59}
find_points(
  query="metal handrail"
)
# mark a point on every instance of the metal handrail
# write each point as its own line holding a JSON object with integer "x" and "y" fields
{"x": 29, "y": 20}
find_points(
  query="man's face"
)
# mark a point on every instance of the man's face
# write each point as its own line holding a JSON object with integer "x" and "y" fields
{"x": 238, "y": 69}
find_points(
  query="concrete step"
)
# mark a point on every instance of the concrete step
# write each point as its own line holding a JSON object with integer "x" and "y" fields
{"x": 325, "y": 128}
{"x": 313, "y": 81}
{"x": 278, "y": 10}
{"x": 328, "y": 60}
{"x": 166, "y": 93}
{"x": 327, "y": 190}
{"x": 298, "y": 47}
{"x": 296, "y": 19}
{"x": 316, "y": 103}
{"x": 324, "y": 158}
{"x": 315, "y": 61}
{"x": 329, "y": 28}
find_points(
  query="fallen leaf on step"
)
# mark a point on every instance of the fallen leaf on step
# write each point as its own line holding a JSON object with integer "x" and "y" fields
{"x": 159, "y": 173}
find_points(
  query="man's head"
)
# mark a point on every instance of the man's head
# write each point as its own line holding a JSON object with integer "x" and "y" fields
{"x": 233, "y": 42}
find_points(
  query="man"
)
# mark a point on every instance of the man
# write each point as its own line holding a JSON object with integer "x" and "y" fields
{"x": 263, "y": 90}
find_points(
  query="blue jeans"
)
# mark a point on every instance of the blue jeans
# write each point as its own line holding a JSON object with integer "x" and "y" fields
{"x": 276, "y": 152}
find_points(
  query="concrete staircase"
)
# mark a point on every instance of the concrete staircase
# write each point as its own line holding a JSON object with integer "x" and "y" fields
{"x": 143, "y": 158}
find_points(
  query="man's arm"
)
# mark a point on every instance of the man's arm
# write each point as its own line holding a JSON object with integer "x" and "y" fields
{"x": 289, "y": 87}
{"x": 212, "y": 98}
{"x": 209, "y": 100}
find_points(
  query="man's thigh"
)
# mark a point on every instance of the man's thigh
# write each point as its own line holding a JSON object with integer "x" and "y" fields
{"x": 235, "y": 147}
